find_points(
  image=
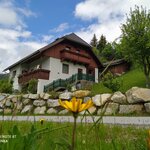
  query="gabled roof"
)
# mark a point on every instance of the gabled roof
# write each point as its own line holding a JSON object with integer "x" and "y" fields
{"x": 71, "y": 37}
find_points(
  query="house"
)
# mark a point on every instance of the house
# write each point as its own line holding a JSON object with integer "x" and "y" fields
{"x": 118, "y": 66}
{"x": 62, "y": 59}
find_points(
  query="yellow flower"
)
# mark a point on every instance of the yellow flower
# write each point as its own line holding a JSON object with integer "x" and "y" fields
{"x": 76, "y": 105}
{"x": 42, "y": 121}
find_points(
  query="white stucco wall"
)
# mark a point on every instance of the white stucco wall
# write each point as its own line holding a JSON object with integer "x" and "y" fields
{"x": 18, "y": 70}
{"x": 46, "y": 63}
{"x": 55, "y": 67}
{"x": 42, "y": 82}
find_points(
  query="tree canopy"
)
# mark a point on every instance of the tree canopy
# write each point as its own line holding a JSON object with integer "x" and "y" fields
{"x": 101, "y": 43}
{"x": 135, "y": 41}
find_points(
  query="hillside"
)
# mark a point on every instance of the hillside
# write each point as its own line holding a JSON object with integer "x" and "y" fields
{"x": 4, "y": 76}
{"x": 129, "y": 79}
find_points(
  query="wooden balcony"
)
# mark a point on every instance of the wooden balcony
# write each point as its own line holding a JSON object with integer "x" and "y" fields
{"x": 75, "y": 57}
{"x": 36, "y": 74}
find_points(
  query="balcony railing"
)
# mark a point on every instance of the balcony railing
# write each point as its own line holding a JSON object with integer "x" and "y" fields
{"x": 64, "y": 82}
{"x": 75, "y": 57}
{"x": 36, "y": 74}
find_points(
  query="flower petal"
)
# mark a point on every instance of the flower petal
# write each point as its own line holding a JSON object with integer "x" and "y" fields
{"x": 74, "y": 104}
{"x": 79, "y": 102}
{"x": 82, "y": 107}
{"x": 86, "y": 105}
{"x": 89, "y": 104}
{"x": 63, "y": 104}
{"x": 69, "y": 105}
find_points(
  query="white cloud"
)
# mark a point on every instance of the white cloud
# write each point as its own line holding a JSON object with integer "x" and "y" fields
{"x": 26, "y": 12}
{"x": 61, "y": 27}
{"x": 11, "y": 16}
{"x": 14, "y": 34}
{"x": 109, "y": 15}
{"x": 8, "y": 16}
{"x": 110, "y": 29}
{"x": 47, "y": 38}
{"x": 12, "y": 48}
{"x": 16, "y": 41}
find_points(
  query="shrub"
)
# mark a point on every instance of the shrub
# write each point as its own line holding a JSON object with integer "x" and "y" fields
{"x": 111, "y": 82}
{"x": 87, "y": 86}
{"x": 16, "y": 92}
{"x": 24, "y": 88}
{"x": 5, "y": 86}
{"x": 32, "y": 86}
{"x": 68, "y": 87}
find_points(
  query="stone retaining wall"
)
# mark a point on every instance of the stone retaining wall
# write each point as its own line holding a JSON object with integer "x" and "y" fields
{"x": 135, "y": 100}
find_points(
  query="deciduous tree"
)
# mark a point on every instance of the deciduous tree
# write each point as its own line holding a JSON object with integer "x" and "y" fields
{"x": 136, "y": 39}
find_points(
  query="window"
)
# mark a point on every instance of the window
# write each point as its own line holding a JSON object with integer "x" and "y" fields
{"x": 13, "y": 73}
{"x": 68, "y": 48}
{"x": 65, "y": 68}
{"x": 77, "y": 51}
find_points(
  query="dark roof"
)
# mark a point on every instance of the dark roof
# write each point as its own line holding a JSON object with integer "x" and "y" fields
{"x": 114, "y": 62}
{"x": 71, "y": 37}
{"x": 75, "y": 38}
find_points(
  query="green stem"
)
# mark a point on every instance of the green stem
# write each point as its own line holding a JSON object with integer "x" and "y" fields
{"x": 74, "y": 132}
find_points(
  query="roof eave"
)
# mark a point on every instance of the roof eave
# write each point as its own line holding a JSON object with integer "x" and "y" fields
{"x": 23, "y": 60}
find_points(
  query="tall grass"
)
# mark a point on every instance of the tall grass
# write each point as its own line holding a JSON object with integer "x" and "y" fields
{"x": 57, "y": 136}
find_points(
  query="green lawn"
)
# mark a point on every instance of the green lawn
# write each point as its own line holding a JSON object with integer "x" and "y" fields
{"x": 101, "y": 137}
{"x": 132, "y": 78}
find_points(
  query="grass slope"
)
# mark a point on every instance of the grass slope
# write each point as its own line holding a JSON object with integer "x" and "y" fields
{"x": 130, "y": 79}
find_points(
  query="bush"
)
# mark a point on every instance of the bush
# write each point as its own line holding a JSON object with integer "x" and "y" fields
{"x": 111, "y": 82}
{"x": 5, "y": 86}
{"x": 32, "y": 86}
{"x": 24, "y": 88}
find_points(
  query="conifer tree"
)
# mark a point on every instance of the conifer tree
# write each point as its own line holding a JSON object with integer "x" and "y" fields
{"x": 101, "y": 43}
{"x": 93, "y": 42}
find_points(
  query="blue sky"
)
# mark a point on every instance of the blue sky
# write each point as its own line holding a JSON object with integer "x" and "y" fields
{"x": 27, "y": 25}
{"x": 52, "y": 14}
